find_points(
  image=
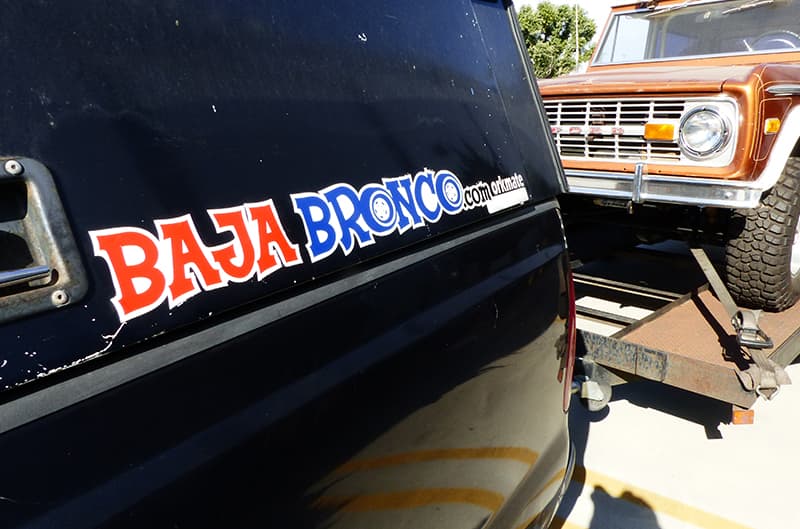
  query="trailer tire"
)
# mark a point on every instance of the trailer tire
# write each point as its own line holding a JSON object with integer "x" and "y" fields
{"x": 598, "y": 405}
{"x": 762, "y": 255}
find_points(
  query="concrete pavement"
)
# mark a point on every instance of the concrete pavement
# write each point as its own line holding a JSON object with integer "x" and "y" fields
{"x": 662, "y": 458}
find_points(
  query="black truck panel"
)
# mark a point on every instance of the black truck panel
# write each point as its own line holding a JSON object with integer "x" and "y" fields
{"x": 147, "y": 113}
{"x": 319, "y": 234}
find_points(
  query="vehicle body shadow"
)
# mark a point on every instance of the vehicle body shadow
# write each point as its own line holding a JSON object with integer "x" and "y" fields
{"x": 626, "y": 511}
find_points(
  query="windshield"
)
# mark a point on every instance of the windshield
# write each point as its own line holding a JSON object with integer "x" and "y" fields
{"x": 700, "y": 28}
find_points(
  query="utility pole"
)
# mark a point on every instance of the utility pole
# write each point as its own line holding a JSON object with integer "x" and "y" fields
{"x": 577, "y": 48}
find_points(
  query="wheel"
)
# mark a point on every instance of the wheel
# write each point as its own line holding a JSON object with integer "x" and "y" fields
{"x": 762, "y": 257}
{"x": 594, "y": 395}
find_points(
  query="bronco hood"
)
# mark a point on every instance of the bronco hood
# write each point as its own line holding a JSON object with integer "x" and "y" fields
{"x": 647, "y": 79}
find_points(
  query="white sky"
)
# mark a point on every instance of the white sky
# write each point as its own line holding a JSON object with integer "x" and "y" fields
{"x": 597, "y": 9}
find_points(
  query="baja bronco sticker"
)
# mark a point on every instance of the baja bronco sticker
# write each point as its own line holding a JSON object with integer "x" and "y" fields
{"x": 174, "y": 264}
{"x": 341, "y": 215}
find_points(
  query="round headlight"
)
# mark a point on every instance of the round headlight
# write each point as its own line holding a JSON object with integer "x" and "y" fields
{"x": 703, "y": 132}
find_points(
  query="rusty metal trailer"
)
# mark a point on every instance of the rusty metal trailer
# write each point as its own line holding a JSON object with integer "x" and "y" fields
{"x": 687, "y": 339}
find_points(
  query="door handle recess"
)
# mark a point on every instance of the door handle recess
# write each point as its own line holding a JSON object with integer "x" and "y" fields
{"x": 40, "y": 266}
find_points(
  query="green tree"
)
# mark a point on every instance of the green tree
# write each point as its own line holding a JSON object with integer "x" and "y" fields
{"x": 549, "y": 34}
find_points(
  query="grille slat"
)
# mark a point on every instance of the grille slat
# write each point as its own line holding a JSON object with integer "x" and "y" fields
{"x": 612, "y": 130}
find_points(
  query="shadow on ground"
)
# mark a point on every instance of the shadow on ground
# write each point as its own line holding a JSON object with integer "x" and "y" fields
{"x": 625, "y": 511}
{"x": 705, "y": 411}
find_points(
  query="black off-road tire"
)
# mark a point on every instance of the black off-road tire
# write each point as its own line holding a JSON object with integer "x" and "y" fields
{"x": 758, "y": 255}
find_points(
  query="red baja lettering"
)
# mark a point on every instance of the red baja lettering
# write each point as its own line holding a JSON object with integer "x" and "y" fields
{"x": 176, "y": 264}
{"x": 234, "y": 220}
{"x": 273, "y": 243}
{"x": 140, "y": 285}
{"x": 188, "y": 252}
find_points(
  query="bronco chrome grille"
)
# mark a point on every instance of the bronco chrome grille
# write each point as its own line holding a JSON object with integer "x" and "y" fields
{"x": 605, "y": 129}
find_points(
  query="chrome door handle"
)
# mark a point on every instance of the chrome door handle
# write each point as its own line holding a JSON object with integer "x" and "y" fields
{"x": 23, "y": 275}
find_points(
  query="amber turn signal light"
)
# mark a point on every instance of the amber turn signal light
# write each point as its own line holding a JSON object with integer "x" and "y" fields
{"x": 659, "y": 131}
{"x": 772, "y": 125}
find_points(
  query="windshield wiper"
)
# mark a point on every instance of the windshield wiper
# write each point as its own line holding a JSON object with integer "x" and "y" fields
{"x": 688, "y": 3}
{"x": 751, "y": 5}
{"x": 669, "y": 9}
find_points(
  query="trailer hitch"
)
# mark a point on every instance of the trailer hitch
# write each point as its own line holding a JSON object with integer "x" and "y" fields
{"x": 765, "y": 376}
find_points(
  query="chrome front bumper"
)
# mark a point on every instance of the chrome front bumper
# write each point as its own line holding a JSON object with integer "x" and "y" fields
{"x": 640, "y": 187}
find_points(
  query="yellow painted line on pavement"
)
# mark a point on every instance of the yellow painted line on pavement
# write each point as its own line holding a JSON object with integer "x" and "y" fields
{"x": 408, "y": 499}
{"x": 523, "y": 455}
{"x": 652, "y": 500}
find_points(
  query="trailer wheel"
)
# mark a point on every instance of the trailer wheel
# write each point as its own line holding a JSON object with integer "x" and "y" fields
{"x": 594, "y": 405}
{"x": 762, "y": 257}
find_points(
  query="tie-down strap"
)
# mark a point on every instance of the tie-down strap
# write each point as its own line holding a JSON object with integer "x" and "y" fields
{"x": 765, "y": 377}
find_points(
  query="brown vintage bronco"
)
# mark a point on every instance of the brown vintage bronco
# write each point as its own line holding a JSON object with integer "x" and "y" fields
{"x": 687, "y": 121}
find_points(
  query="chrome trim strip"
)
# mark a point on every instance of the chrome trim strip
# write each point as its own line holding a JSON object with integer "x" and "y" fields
{"x": 660, "y": 61}
{"x": 784, "y": 89}
{"x": 638, "y": 176}
{"x": 665, "y": 188}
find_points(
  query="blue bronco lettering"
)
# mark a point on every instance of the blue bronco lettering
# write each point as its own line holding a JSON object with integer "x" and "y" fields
{"x": 343, "y": 216}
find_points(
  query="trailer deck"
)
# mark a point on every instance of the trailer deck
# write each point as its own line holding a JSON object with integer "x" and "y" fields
{"x": 671, "y": 326}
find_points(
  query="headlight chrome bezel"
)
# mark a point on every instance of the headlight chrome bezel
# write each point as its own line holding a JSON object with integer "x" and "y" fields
{"x": 719, "y": 146}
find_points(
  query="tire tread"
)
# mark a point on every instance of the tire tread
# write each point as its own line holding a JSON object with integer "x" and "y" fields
{"x": 757, "y": 260}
